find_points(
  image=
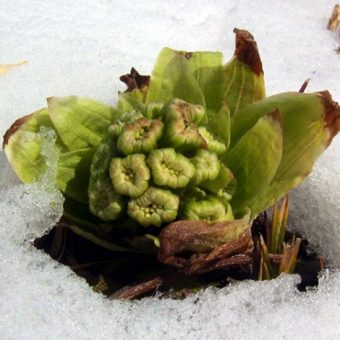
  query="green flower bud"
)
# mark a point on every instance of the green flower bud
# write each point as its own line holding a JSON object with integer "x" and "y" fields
{"x": 152, "y": 110}
{"x": 207, "y": 166}
{"x": 130, "y": 175}
{"x": 209, "y": 209}
{"x": 221, "y": 182}
{"x": 140, "y": 136}
{"x": 214, "y": 145}
{"x": 181, "y": 136}
{"x": 179, "y": 109}
{"x": 104, "y": 202}
{"x": 181, "y": 131}
{"x": 170, "y": 169}
{"x": 115, "y": 129}
{"x": 154, "y": 207}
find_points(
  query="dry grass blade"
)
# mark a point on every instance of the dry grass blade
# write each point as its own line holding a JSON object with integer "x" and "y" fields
{"x": 133, "y": 291}
{"x": 265, "y": 271}
{"x": 334, "y": 20}
{"x": 289, "y": 257}
{"x": 304, "y": 86}
{"x": 280, "y": 217}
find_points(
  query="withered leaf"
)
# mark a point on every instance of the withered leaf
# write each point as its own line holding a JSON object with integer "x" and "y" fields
{"x": 4, "y": 68}
{"x": 134, "y": 80}
{"x": 334, "y": 20}
{"x": 246, "y": 50}
{"x": 212, "y": 244}
{"x": 199, "y": 236}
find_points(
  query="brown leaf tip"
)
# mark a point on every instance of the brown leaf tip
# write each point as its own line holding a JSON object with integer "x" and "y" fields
{"x": 134, "y": 80}
{"x": 13, "y": 128}
{"x": 332, "y": 115}
{"x": 246, "y": 50}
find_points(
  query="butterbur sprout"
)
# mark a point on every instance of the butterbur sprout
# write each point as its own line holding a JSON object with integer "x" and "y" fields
{"x": 180, "y": 136}
{"x": 223, "y": 181}
{"x": 181, "y": 125}
{"x": 155, "y": 207}
{"x": 115, "y": 129}
{"x": 152, "y": 110}
{"x": 105, "y": 202}
{"x": 170, "y": 168}
{"x": 179, "y": 109}
{"x": 208, "y": 209}
{"x": 140, "y": 136}
{"x": 213, "y": 144}
{"x": 130, "y": 175}
{"x": 207, "y": 166}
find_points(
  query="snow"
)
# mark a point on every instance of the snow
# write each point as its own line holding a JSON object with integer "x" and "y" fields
{"x": 81, "y": 48}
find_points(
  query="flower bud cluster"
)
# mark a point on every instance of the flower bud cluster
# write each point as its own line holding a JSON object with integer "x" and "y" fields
{"x": 156, "y": 165}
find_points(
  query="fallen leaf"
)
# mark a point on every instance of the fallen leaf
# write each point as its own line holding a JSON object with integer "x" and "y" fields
{"x": 334, "y": 20}
{"x": 4, "y": 68}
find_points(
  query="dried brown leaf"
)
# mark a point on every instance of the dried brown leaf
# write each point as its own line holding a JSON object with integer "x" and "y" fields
{"x": 4, "y": 68}
{"x": 222, "y": 256}
{"x": 199, "y": 236}
{"x": 246, "y": 50}
{"x": 134, "y": 80}
{"x": 334, "y": 20}
{"x": 332, "y": 115}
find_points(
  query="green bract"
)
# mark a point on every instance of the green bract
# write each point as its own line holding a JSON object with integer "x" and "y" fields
{"x": 196, "y": 141}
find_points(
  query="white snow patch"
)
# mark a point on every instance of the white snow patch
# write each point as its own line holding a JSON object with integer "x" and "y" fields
{"x": 81, "y": 48}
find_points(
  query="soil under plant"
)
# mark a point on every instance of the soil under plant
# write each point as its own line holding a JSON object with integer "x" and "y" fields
{"x": 129, "y": 276}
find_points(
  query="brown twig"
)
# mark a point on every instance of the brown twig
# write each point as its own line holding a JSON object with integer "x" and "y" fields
{"x": 133, "y": 291}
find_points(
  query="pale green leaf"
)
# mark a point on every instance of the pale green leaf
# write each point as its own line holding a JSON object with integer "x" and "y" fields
{"x": 74, "y": 172}
{"x": 23, "y": 146}
{"x": 80, "y": 122}
{"x": 255, "y": 159}
{"x": 173, "y": 78}
{"x": 305, "y": 136}
{"x": 242, "y": 85}
{"x": 207, "y": 69}
{"x": 219, "y": 124}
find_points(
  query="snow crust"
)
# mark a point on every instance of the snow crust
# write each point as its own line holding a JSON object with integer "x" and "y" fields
{"x": 81, "y": 48}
